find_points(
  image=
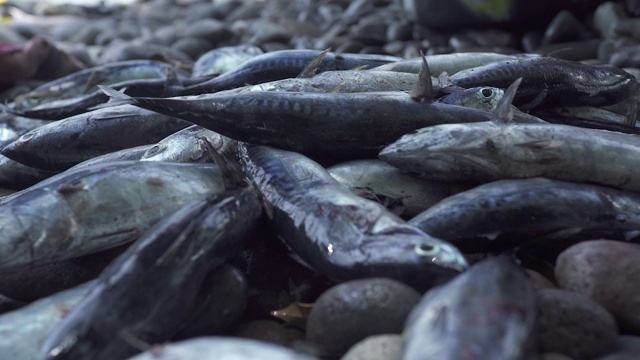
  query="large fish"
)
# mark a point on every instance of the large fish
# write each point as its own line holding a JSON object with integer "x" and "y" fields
{"x": 337, "y": 233}
{"x": 149, "y": 292}
{"x": 487, "y": 312}
{"x": 97, "y": 207}
{"x": 490, "y": 151}
{"x": 510, "y": 212}
{"x": 322, "y": 125}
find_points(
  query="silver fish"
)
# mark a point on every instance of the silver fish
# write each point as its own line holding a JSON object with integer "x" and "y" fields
{"x": 187, "y": 146}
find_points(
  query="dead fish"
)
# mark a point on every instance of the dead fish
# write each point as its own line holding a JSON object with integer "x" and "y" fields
{"x": 548, "y": 82}
{"x": 337, "y": 233}
{"x": 509, "y": 213}
{"x": 487, "y": 312}
{"x": 449, "y": 63}
{"x": 24, "y": 330}
{"x": 148, "y": 292}
{"x": 134, "y": 153}
{"x": 59, "y": 145}
{"x": 283, "y": 64}
{"x": 17, "y": 176}
{"x": 95, "y": 208}
{"x": 489, "y": 151}
{"x": 223, "y": 59}
{"x": 328, "y": 125}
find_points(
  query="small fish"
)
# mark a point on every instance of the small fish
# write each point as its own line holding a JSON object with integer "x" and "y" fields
{"x": 337, "y": 233}
{"x": 487, "y": 312}
{"x": 222, "y": 59}
{"x": 134, "y": 153}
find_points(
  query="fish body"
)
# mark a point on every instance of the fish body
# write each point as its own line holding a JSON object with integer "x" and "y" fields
{"x": 548, "y": 82}
{"x": 15, "y": 175}
{"x": 187, "y": 146}
{"x": 330, "y": 125}
{"x": 449, "y": 63}
{"x": 95, "y": 208}
{"x": 134, "y": 153}
{"x": 489, "y": 151}
{"x": 516, "y": 211}
{"x": 337, "y": 233}
{"x": 487, "y": 312}
{"x": 62, "y": 144}
{"x": 149, "y": 291}
{"x": 223, "y": 59}
{"x": 283, "y": 64}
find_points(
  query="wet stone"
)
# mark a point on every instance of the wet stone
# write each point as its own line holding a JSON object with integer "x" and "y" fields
{"x": 605, "y": 18}
{"x": 210, "y": 29}
{"x": 572, "y": 324}
{"x": 607, "y": 272}
{"x": 269, "y": 331}
{"x": 192, "y": 46}
{"x": 377, "y": 347}
{"x": 563, "y": 27}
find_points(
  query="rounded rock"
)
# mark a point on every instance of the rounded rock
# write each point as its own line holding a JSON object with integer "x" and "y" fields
{"x": 607, "y": 272}
{"x": 354, "y": 310}
{"x": 574, "y": 325}
{"x": 377, "y": 347}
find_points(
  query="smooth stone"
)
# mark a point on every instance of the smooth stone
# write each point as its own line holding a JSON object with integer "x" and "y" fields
{"x": 606, "y": 271}
{"x": 564, "y": 27}
{"x": 606, "y": 16}
{"x": 632, "y": 7}
{"x": 539, "y": 281}
{"x": 376, "y": 347}
{"x": 131, "y": 51}
{"x": 354, "y": 310}
{"x": 628, "y": 27}
{"x": 209, "y": 29}
{"x": 572, "y": 324}
{"x": 269, "y": 331}
{"x": 399, "y": 31}
{"x": 67, "y": 30}
{"x": 267, "y": 31}
{"x": 192, "y": 46}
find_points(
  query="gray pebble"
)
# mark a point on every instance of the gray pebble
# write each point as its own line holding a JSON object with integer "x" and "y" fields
{"x": 628, "y": 348}
{"x": 376, "y": 347}
{"x": 269, "y": 331}
{"x": 605, "y": 18}
{"x": 209, "y": 29}
{"x": 353, "y": 310}
{"x": 572, "y": 324}
{"x": 606, "y": 271}
{"x": 192, "y": 46}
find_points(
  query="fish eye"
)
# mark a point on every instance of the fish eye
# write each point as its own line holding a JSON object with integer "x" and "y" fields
{"x": 486, "y": 92}
{"x": 154, "y": 150}
{"x": 425, "y": 249}
{"x": 26, "y": 137}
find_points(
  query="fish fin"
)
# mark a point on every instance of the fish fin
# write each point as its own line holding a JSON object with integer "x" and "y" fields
{"x": 424, "y": 88}
{"x": 503, "y": 111}
{"x": 540, "y": 144}
{"x": 312, "y": 68}
{"x": 117, "y": 97}
{"x": 8, "y": 110}
{"x": 229, "y": 170}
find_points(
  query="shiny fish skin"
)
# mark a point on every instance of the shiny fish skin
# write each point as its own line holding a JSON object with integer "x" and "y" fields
{"x": 337, "y": 233}
{"x": 221, "y": 348}
{"x": 320, "y": 125}
{"x": 65, "y": 143}
{"x": 487, "y": 312}
{"x": 283, "y": 64}
{"x": 553, "y": 82}
{"x": 520, "y": 210}
{"x": 17, "y": 176}
{"x": 223, "y": 59}
{"x": 134, "y": 153}
{"x": 24, "y": 330}
{"x": 151, "y": 289}
{"x": 482, "y": 98}
{"x": 98, "y": 207}
{"x": 489, "y": 151}
{"x": 402, "y": 194}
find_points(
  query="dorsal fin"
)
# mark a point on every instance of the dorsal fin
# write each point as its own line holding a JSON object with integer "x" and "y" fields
{"x": 424, "y": 88}
{"x": 503, "y": 111}
{"x": 312, "y": 68}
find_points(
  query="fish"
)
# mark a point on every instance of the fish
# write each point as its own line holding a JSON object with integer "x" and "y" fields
{"x": 508, "y": 213}
{"x": 17, "y": 176}
{"x": 219, "y": 348}
{"x": 134, "y": 153}
{"x": 322, "y": 125}
{"x": 95, "y": 208}
{"x": 404, "y": 195}
{"x": 337, "y": 233}
{"x": 187, "y": 145}
{"x": 489, "y": 151}
{"x": 548, "y": 82}
{"x": 487, "y": 312}
{"x": 276, "y": 65}
{"x": 223, "y": 59}
{"x": 62, "y": 144}
{"x": 148, "y": 292}
{"x": 25, "y": 329}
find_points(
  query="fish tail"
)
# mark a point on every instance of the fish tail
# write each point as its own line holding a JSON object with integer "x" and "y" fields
{"x": 117, "y": 97}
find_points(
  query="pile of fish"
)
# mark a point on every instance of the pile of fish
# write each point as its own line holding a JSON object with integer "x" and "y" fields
{"x": 314, "y": 199}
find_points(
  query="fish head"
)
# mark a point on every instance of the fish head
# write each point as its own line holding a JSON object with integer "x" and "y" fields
{"x": 408, "y": 254}
{"x": 451, "y": 152}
